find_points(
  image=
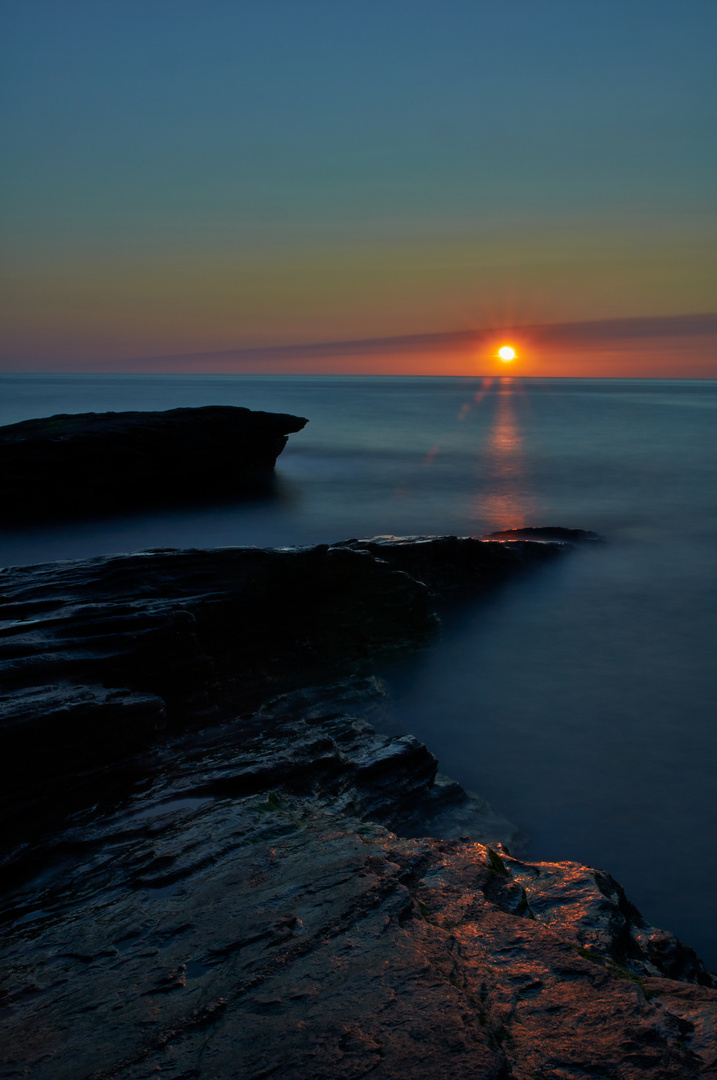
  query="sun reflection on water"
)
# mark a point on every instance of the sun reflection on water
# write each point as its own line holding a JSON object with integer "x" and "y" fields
{"x": 505, "y": 501}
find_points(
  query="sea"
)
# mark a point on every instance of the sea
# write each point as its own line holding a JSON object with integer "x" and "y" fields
{"x": 579, "y": 700}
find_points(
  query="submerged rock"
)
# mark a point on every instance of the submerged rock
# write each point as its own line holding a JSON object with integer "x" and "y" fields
{"x": 84, "y": 464}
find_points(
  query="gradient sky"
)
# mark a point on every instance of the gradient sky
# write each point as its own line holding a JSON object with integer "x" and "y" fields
{"x": 217, "y": 186}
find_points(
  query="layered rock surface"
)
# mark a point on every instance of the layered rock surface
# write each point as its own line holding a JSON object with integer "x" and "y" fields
{"x": 85, "y": 464}
{"x": 239, "y": 884}
{"x": 242, "y": 913}
{"x": 99, "y": 655}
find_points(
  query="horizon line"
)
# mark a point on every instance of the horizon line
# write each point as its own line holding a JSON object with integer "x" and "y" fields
{"x": 353, "y": 375}
{"x": 639, "y": 326}
{"x": 589, "y": 337}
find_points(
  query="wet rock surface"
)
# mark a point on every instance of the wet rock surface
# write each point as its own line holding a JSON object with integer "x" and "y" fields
{"x": 198, "y": 929}
{"x": 547, "y": 533}
{"x": 85, "y": 464}
{"x": 450, "y": 565}
{"x": 98, "y": 656}
{"x": 253, "y": 891}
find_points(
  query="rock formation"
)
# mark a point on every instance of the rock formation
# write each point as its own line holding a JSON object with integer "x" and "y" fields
{"x": 531, "y": 532}
{"x": 226, "y": 870}
{"x": 101, "y": 654}
{"x": 85, "y": 464}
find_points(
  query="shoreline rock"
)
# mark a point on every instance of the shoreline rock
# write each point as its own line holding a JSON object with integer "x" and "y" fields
{"x": 89, "y": 464}
{"x": 238, "y": 878}
{"x": 101, "y": 655}
{"x": 242, "y": 913}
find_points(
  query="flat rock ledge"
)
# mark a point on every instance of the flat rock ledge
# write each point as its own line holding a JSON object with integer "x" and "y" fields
{"x": 101, "y": 656}
{"x": 88, "y": 464}
{"x": 247, "y": 884}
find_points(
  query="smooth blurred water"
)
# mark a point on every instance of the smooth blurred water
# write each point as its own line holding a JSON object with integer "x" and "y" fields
{"x": 581, "y": 700}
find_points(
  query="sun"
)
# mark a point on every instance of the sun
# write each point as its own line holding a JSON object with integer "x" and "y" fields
{"x": 506, "y": 353}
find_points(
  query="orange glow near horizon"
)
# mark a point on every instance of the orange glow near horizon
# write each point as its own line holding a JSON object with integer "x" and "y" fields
{"x": 537, "y": 355}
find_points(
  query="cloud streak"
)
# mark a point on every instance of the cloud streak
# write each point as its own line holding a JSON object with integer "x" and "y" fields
{"x": 599, "y": 331}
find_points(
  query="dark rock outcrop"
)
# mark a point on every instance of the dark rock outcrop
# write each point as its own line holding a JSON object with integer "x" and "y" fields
{"x": 245, "y": 887}
{"x": 243, "y": 914}
{"x": 98, "y": 655}
{"x": 448, "y": 565}
{"x": 547, "y": 533}
{"x": 86, "y": 464}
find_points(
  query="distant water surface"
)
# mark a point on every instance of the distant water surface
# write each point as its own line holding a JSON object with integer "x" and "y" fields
{"x": 581, "y": 700}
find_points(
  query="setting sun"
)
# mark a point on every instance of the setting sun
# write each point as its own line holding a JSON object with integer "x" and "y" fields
{"x": 506, "y": 353}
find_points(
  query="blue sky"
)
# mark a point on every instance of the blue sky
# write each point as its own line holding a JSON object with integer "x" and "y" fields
{"x": 187, "y": 177}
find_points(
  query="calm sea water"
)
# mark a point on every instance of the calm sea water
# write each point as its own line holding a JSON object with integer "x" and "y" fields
{"x": 581, "y": 701}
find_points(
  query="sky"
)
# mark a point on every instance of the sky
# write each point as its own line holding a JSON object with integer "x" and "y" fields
{"x": 378, "y": 186}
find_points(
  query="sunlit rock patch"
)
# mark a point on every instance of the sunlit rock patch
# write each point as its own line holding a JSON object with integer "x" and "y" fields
{"x": 221, "y": 936}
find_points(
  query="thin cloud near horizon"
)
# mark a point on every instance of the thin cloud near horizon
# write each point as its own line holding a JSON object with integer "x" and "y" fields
{"x": 598, "y": 330}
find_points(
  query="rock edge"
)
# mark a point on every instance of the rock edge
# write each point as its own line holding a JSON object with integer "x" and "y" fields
{"x": 88, "y": 464}
{"x": 253, "y": 893}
